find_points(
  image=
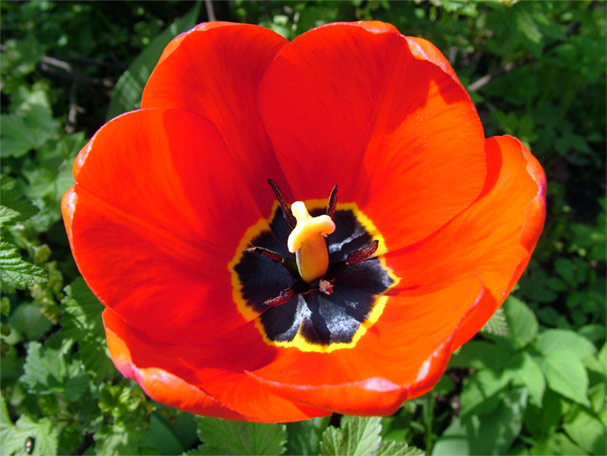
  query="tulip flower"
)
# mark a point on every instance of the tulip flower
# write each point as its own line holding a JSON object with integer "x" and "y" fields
{"x": 290, "y": 229}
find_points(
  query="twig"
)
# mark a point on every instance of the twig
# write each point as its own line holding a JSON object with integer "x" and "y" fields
{"x": 70, "y": 125}
{"x": 49, "y": 65}
{"x": 97, "y": 62}
{"x": 210, "y": 11}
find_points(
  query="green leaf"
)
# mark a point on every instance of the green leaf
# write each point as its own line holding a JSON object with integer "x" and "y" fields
{"x": 588, "y": 432}
{"x": 521, "y": 321}
{"x": 546, "y": 418}
{"x": 525, "y": 371}
{"x": 45, "y": 369}
{"x": 15, "y": 272}
{"x": 13, "y": 199}
{"x": 238, "y": 437}
{"x": 51, "y": 183}
{"x": 497, "y": 324}
{"x": 29, "y": 320}
{"x": 186, "y": 430}
{"x": 566, "y": 375}
{"x": 392, "y": 448}
{"x": 480, "y": 393}
{"x": 29, "y": 131}
{"x": 560, "y": 339}
{"x": 128, "y": 90}
{"x": 7, "y": 215}
{"x": 161, "y": 437}
{"x": 555, "y": 444}
{"x": 5, "y": 306}
{"x": 7, "y": 442}
{"x": 480, "y": 355}
{"x": 356, "y": 436}
{"x": 490, "y": 433}
{"x": 304, "y": 436}
{"x": 42, "y": 435}
{"x": 120, "y": 438}
{"x": 81, "y": 321}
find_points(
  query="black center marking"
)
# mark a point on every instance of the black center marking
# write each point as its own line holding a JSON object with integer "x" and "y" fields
{"x": 321, "y": 319}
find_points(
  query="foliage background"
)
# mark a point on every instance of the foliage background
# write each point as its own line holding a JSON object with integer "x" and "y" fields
{"x": 533, "y": 382}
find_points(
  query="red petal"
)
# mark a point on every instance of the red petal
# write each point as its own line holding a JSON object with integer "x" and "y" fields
{"x": 363, "y": 107}
{"x": 189, "y": 377}
{"x": 402, "y": 356}
{"x": 153, "y": 225}
{"x": 158, "y": 383}
{"x": 214, "y": 70}
{"x": 494, "y": 238}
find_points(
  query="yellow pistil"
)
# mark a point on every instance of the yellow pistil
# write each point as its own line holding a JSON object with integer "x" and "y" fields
{"x": 308, "y": 243}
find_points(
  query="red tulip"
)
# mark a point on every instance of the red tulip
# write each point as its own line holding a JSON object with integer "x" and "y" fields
{"x": 223, "y": 302}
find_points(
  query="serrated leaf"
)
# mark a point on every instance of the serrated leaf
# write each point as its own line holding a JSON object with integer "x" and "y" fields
{"x": 118, "y": 439}
{"x": 28, "y": 131}
{"x": 332, "y": 441}
{"x": 392, "y": 448}
{"x": 13, "y": 199}
{"x": 42, "y": 435}
{"x": 356, "y": 436}
{"x": 7, "y": 442}
{"x": 81, "y": 321}
{"x": 127, "y": 93}
{"x": 239, "y": 437}
{"x": 16, "y": 272}
{"x": 7, "y": 215}
{"x": 51, "y": 183}
{"x": 497, "y": 324}
{"x": 566, "y": 375}
{"x": 45, "y": 369}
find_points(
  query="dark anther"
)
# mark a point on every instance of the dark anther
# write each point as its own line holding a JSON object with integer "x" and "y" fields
{"x": 274, "y": 256}
{"x": 332, "y": 205}
{"x": 362, "y": 254}
{"x": 286, "y": 210}
{"x": 324, "y": 286}
{"x": 282, "y": 297}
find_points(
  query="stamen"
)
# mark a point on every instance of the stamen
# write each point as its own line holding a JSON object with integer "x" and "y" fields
{"x": 282, "y": 297}
{"x": 286, "y": 212}
{"x": 308, "y": 243}
{"x": 326, "y": 287}
{"x": 272, "y": 255}
{"x": 332, "y": 205}
{"x": 362, "y": 254}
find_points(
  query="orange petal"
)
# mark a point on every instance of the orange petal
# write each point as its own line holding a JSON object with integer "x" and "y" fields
{"x": 494, "y": 238}
{"x": 366, "y": 108}
{"x": 152, "y": 226}
{"x": 214, "y": 70}
{"x": 188, "y": 377}
{"x": 160, "y": 384}
{"x": 402, "y": 356}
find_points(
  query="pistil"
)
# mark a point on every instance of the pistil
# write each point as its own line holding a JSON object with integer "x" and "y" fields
{"x": 307, "y": 241}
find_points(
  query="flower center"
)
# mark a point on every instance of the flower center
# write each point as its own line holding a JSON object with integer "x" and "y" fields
{"x": 316, "y": 279}
{"x": 307, "y": 242}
